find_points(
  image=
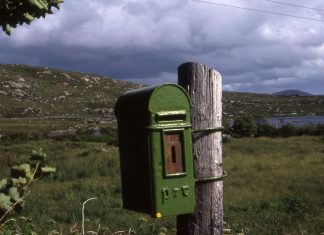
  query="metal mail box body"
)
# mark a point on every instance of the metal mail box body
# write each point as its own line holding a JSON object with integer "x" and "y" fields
{"x": 156, "y": 150}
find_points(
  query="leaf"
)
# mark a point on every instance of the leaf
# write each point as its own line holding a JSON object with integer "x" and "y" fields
{"x": 17, "y": 172}
{"x": 36, "y": 3}
{"x": 38, "y": 155}
{"x": 7, "y": 29}
{"x": 48, "y": 170}
{"x": 3, "y": 184}
{"x": 18, "y": 182}
{"x": 29, "y": 18}
{"x": 5, "y": 203}
{"x": 20, "y": 171}
{"x": 14, "y": 194}
{"x": 25, "y": 167}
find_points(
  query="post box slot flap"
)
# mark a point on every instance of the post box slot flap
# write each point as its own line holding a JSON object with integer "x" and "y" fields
{"x": 171, "y": 116}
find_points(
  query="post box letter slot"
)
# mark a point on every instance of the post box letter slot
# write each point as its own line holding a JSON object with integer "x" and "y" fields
{"x": 171, "y": 116}
{"x": 173, "y": 157}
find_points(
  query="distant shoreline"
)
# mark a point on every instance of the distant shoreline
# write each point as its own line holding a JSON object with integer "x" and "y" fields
{"x": 297, "y": 121}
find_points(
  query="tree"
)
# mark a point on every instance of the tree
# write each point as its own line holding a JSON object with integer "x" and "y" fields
{"x": 244, "y": 126}
{"x": 14, "y": 12}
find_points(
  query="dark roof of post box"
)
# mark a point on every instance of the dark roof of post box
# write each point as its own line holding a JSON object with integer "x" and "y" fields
{"x": 166, "y": 97}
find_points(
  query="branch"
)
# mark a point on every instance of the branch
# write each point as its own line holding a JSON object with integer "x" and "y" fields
{"x": 93, "y": 198}
{"x": 14, "y": 205}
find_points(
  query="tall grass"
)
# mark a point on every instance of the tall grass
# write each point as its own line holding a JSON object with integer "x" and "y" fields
{"x": 84, "y": 170}
{"x": 275, "y": 186}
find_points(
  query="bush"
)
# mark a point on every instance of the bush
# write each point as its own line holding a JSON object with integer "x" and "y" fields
{"x": 14, "y": 189}
{"x": 319, "y": 129}
{"x": 306, "y": 130}
{"x": 244, "y": 126}
{"x": 266, "y": 129}
{"x": 287, "y": 130}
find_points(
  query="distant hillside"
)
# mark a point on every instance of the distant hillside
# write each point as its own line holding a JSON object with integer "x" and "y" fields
{"x": 236, "y": 103}
{"x": 34, "y": 92}
{"x": 292, "y": 92}
{"x": 37, "y": 92}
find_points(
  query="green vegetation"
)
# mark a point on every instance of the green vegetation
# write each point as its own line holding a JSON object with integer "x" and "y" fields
{"x": 244, "y": 126}
{"x": 84, "y": 170}
{"x": 289, "y": 130}
{"x": 13, "y": 190}
{"x": 13, "y": 13}
{"x": 20, "y": 130}
{"x": 274, "y": 187}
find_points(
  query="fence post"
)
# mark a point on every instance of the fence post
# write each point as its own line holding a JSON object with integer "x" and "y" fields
{"x": 205, "y": 90}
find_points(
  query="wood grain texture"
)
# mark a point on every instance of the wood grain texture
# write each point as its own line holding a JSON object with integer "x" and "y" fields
{"x": 204, "y": 87}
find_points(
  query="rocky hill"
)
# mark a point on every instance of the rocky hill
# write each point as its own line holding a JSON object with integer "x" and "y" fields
{"x": 42, "y": 92}
{"x": 236, "y": 103}
{"x": 36, "y": 92}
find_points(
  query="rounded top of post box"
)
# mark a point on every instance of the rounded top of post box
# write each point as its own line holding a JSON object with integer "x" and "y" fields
{"x": 169, "y": 97}
{"x": 163, "y": 97}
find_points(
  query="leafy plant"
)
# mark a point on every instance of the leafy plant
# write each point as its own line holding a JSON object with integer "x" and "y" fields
{"x": 244, "y": 126}
{"x": 14, "y": 190}
{"x": 13, "y": 13}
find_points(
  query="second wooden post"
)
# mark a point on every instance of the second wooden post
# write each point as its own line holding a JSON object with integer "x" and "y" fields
{"x": 204, "y": 87}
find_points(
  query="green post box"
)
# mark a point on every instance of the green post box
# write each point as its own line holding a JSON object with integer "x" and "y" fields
{"x": 156, "y": 150}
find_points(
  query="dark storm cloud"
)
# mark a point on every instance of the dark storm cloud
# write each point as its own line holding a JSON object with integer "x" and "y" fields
{"x": 145, "y": 41}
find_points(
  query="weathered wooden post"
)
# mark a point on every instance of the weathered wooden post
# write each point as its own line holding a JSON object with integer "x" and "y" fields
{"x": 205, "y": 90}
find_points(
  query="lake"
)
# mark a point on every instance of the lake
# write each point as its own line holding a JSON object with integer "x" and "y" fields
{"x": 295, "y": 121}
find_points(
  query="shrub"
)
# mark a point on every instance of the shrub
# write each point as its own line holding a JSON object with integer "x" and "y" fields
{"x": 266, "y": 129}
{"x": 306, "y": 130}
{"x": 287, "y": 130}
{"x": 244, "y": 126}
{"x": 320, "y": 129}
{"x": 15, "y": 189}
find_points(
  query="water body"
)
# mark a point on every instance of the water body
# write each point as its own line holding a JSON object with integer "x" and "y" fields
{"x": 296, "y": 121}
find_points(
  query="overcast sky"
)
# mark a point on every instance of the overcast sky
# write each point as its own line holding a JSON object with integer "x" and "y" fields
{"x": 145, "y": 41}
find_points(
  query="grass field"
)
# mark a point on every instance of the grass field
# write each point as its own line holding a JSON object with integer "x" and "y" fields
{"x": 275, "y": 186}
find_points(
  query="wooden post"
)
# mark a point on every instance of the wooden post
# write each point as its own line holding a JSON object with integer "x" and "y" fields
{"x": 205, "y": 90}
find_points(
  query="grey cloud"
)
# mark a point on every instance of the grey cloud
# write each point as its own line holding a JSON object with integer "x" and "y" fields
{"x": 146, "y": 41}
